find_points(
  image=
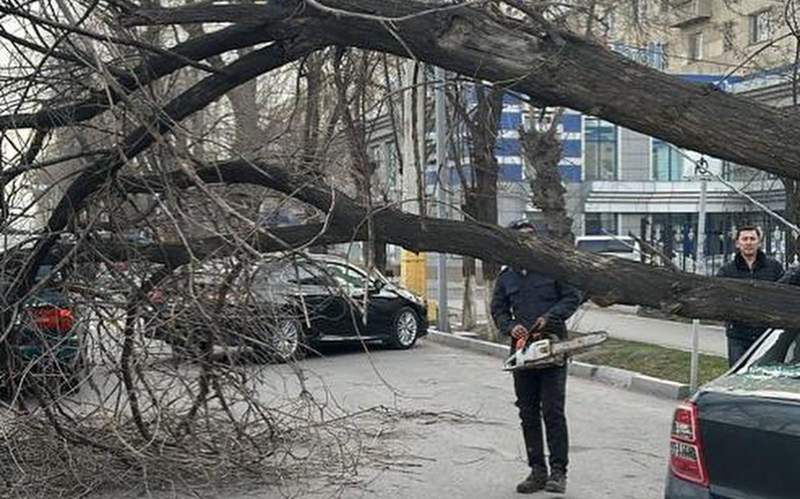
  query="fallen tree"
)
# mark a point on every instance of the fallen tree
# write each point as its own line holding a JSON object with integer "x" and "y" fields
{"x": 178, "y": 409}
{"x": 553, "y": 68}
{"x": 608, "y": 280}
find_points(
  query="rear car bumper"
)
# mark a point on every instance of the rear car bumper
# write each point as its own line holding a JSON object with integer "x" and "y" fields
{"x": 681, "y": 489}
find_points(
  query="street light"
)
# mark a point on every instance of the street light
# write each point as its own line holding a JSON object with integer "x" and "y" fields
{"x": 699, "y": 268}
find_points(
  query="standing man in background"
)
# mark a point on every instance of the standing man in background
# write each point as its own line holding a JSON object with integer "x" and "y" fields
{"x": 749, "y": 263}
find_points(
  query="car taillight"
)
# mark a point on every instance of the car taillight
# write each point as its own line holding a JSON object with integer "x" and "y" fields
{"x": 685, "y": 447}
{"x": 53, "y": 318}
{"x": 156, "y": 296}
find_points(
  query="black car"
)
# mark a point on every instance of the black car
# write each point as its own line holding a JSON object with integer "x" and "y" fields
{"x": 739, "y": 436}
{"x": 280, "y": 307}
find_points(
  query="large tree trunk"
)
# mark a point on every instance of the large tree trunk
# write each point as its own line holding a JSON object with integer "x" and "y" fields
{"x": 480, "y": 196}
{"x": 552, "y": 67}
{"x": 611, "y": 280}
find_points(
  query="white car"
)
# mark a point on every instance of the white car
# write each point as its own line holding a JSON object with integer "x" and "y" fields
{"x": 620, "y": 246}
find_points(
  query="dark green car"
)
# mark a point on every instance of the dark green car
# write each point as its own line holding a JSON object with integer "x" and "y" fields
{"x": 44, "y": 345}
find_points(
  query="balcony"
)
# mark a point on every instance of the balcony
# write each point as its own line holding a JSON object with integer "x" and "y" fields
{"x": 691, "y": 12}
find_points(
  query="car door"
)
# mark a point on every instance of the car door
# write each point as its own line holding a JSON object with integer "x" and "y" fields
{"x": 328, "y": 310}
{"x": 364, "y": 293}
{"x": 309, "y": 290}
{"x": 350, "y": 290}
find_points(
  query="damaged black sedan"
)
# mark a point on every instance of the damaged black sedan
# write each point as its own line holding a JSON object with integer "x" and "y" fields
{"x": 739, "y": 436}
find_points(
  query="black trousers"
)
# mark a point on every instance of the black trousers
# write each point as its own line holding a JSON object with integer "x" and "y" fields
{"x": 540, "y": 395}
{"x": 737, "y": 347}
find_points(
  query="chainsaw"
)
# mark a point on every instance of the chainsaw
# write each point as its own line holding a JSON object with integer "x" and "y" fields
{"x": 549, "y": 351}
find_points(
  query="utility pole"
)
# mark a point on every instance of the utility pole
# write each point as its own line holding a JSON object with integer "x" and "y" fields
{"x": 443, "y": 322}
{"x": 699, "y": 268}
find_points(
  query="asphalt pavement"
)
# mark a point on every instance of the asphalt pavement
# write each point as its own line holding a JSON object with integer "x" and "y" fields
{"x": 465, "y": 439}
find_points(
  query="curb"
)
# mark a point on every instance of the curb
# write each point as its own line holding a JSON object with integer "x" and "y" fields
{"x": 620, "y": 378}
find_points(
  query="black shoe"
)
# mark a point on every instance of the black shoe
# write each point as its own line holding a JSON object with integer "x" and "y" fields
{"x": 534, "y": 482}
{"x": 557, "y": 482}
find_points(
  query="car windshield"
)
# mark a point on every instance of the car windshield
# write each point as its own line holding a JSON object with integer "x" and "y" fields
{"x": 778, "y": 356}
{"x": 605, "y": 246}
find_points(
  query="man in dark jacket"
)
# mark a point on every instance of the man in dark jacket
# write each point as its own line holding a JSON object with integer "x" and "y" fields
{"x": 526, "y": 304}
{"x": 750, "y": 263}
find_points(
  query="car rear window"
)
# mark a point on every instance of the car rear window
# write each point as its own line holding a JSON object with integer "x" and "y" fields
{"x": 777, "y": 356}
{"x": 605, "y": 246}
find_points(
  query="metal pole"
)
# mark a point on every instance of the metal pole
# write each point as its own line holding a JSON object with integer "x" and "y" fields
{"x": 443, "y": 322}
{"x": 700, "y": 269}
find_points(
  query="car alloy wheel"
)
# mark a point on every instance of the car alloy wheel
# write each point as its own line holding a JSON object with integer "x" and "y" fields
{"x": 406, "y": 327}
{"x": 285, "y": 339}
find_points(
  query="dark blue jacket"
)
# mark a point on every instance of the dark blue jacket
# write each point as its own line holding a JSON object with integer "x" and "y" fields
{"x": 521, "y": 297}
{"x": 764, "y": 269}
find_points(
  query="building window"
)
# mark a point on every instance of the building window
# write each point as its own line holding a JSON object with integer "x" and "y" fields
{"x": 598, "y": 224}
{"x": 657, "y": 52}
{"x": 695, "y": 43}
{"x": 667, "y": 161}
{"x": 728, "y": 36}
{"x": 760, "y": 26}
{"x": 736, "y": 172}
{"x": 600, "y": 145}
{"x": 376, "y": 155}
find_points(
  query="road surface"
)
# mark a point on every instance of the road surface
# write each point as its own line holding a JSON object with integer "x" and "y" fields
{"x": 619, "y": 439}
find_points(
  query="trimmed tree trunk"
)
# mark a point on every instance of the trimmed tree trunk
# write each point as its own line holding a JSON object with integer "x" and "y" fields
{"x": 542, "y": 151}
{"x": 484, "y": 137}
{"x": 480, "y": 195}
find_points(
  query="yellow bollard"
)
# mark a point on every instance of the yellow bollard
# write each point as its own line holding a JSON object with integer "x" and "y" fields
{"x": 433, "y": 312}
{"x": 413, "y": 273}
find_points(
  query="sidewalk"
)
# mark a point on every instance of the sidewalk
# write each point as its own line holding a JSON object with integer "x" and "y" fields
{"x": 622, "y": 322}
{"x": 670, "y": 334}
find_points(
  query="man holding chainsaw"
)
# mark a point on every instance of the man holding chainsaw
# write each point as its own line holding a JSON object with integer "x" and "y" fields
{"x": 525, "y": 306}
